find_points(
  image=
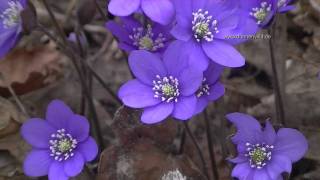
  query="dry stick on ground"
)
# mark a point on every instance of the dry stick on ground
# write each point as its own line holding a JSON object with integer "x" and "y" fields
{"x": 214, "y": 167}
{"x": 194, "y": 141}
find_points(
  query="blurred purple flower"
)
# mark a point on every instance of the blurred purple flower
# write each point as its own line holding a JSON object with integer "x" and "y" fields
{"x": 285, "y": 6}
{"x": 160, "y": 11}
{"x": 162, "y": 88}
{"x": 259, "y": 12}
{"x": 264, "y": 154}
{"x": 211, "y": 89}
{"x": 10, "y": 24}
{"x": 133, "y": 35}
{"x": 204, "y": 26}
{"x": 61, "y": 143}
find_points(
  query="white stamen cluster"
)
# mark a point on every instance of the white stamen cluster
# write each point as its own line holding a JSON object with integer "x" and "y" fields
{"x": 166, "y": 88}
{"x": 260, "y": 13}
{"x": 204, "y": 89}
{"x": 258, "y": 154}
{"x": 11, "y": 16}
{"x": 62, "y": 145}
{"x": 144, "y": 39}
{"x": 174, "y": 175}
{"x": 204, "y": 26}
{"x": 281, "y": 3}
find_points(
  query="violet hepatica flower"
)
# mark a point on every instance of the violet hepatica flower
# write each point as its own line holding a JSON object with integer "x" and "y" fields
{"x": 264, "y": 154}
{"x": 10, "y": 24}
{"x": 285, "y": 6}
{"x": 260, "y": 12}
{"x": 204, "y": 26}
{"x": 60, "y": 144}
{"x": 211, "y": 89}
{"x": 161, "y": 11}
{"x": 162, "y": 88}
{"x": 132, "y": 35}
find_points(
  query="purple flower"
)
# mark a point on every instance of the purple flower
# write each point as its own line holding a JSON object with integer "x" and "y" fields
{"x": 133, "y": 35}
{"x": 211, "y": 89}
{"x": 10, "y": 24}
{"x": 203, "y": 26}
{"x": 162, "y": 88}
{"x": 260, "y": 12}
{"x": 60, "y": 144}
{"x": 264, "y": 154}
{"x": 160, "y": 11}
{"x": 284, "y": 6}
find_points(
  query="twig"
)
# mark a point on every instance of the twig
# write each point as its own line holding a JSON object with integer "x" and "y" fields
{"x": 277, "y": 90}
{"x": 214, "y": 167}
{"x": 15, "y": 97}
{"x": 100, "y": 10}
{"x": 204, "y": 165}
{"x": 74, "y": 57}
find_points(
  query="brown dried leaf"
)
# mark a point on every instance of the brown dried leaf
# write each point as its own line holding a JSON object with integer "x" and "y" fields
{"x": 28, "y": 70}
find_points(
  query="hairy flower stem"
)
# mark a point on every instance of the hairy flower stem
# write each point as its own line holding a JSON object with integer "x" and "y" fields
{"x": 95, "y": 122}
{"x": 194, "y": 141}
{"x": 276, "y": 83}
{"x": 214, "y": 166}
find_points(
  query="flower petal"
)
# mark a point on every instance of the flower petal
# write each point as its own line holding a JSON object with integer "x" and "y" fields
{"x": 216, "y": 91}
{"x": 223, "y": 53}
{"x": 157, "y": 113}
{"x": 238, "y": 159}
{"x": 37, "y": 163}
{"x": 146, "y": 66}
{"x": 242, "y": 171}
{"x": 56, "y": 171}
{"x": 278, "y": 165}
{"x": 159, "y": 11}
{"x": 197, "y": 57}
{"x": 37, "y": 132}
{"x": 291, "y": 143}
{"x": 181, "y": 33}
{"x": 190, "y": 80}
{"x": 58, "y": 114}
{"x": 137, "y": 95}
{"x": 202, "y": 103}
{"x": 74, "y": 165}
{"x": 261, "y": 174}
{"x": 78, "y": 127}
{"x": 213, "y": 73}
{"x": 175, "y": 59}
{"x": 269, "y": 134}
{"x": 185, "y": 107}
{"x": 248, "y": 128}
{"x": 118, "y": 31}
{"x": 123, "y": 7}
{"x": 88, "y": 149}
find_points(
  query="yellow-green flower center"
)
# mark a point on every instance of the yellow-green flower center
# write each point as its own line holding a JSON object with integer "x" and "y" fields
{"x": 261, "y": 13}
{"x": 258, "y": 155}
{"x": 168, "y": 90}
{"x": 146, "y": 43}
{"x": 64, "y": 145}
{"x": 11, "y": 16}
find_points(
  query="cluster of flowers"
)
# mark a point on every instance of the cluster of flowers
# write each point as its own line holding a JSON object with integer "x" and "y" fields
{"x": 177, "y": 52}
{"x": 177, "y": 56}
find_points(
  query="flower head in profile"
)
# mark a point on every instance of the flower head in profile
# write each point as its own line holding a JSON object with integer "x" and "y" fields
{"x": 133, "y": 35}
{"x": 285, "y": 6}
{"x": 203, "y": 26}
{"x": 60, "y": 144}
{"x": 263, "y": 153}
{"x": 211, "y": 89}
{"x": 163, "y": 87}
{"x": 160, "y": 11}
{"x": 10, "y": 24}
